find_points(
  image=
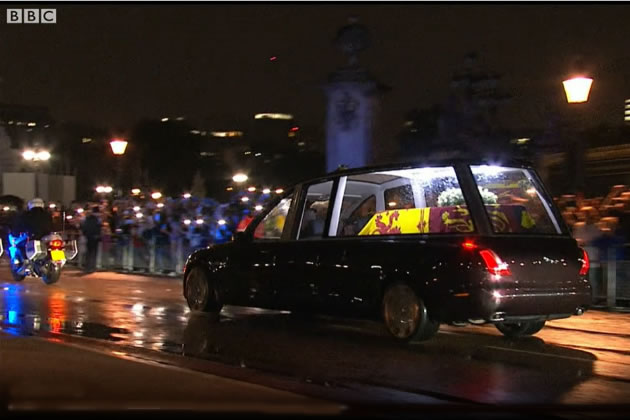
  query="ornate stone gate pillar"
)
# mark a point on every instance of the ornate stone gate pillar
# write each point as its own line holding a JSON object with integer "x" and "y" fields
{"x": 352, "y": 99}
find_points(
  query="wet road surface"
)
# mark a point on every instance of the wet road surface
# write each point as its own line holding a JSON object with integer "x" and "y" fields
{"x": 581, "y": 360}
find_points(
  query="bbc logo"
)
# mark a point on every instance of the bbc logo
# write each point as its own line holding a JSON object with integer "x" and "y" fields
{"x": 31, "y": 15}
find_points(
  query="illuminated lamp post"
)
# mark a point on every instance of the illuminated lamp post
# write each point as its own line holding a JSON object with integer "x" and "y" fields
{"x": 239, "y": 178}
{"x": 119, "y": 146}
{"x": 35, "y": 157}
{"x": 577, "y": 90}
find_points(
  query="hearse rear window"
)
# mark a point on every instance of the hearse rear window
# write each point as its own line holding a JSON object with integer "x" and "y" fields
{"x": 514, "y": 201}
{"x": 408, "y": 201}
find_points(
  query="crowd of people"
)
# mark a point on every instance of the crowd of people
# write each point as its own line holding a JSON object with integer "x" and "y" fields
{"x": 602, "y": 224}
{"x": 169, "y": 227}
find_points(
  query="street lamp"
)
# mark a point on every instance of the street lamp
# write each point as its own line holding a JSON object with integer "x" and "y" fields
{"x": 36, "y": 157}
{"x": 119, "y": 146}
{"x": 239, "y": 177}
{"x": 33, "y": 156}
{"x": 577, "y": 89}
{"x": 104, "y": 189}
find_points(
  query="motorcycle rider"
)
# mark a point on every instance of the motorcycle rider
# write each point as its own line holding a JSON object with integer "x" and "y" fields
{"x": 35, "y": 223}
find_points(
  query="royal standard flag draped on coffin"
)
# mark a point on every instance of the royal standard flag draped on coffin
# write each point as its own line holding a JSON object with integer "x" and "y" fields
{"x": 453, "y": 219}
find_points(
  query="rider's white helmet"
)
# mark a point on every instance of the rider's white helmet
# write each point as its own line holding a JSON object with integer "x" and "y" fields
{"x": 35, "y": 202}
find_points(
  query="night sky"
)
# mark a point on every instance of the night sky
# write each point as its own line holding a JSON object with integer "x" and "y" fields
{"x": 113, "y": 64}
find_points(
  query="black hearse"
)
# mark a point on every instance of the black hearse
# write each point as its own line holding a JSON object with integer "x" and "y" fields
{"x": 414, "y": 245}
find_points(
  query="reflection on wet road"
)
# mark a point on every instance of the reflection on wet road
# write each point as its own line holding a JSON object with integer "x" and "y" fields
{"x": 579, "y": 360}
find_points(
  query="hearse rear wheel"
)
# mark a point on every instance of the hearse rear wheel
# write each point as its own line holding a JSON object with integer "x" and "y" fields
{"x": 520, "y": 329}
{"x": 405, "y": 315}
{"x": 201, "y": 292}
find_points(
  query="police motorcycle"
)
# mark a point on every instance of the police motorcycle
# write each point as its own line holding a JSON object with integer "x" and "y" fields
{"x": 41, "y": 258}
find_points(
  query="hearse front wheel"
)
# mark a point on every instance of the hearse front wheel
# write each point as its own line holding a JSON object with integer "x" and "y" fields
{"x": 519, "y": 329}
{"x": 405, "y": 315}
{"x": 201, "y": 292}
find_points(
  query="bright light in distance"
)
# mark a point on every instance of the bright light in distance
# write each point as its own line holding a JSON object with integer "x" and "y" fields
{"x": 80, "y": 210}
{"x": 221, "y": 222}
{"x": 273, "y": 116}
{"x": 187, "y": 222}
{"x": 391, "y": 203}
{"x": 6, "y": 208}
{"x": 245, "y": 199}
{"x": 43, "y": 155}
{"x": 577, "y": 89}
{"x": 136, "y": 191}
{"x": 108, "y": 189}
{"x": 239, "y": 177}
{"x": 52, "y": 205}
{"x": 69, "y": 217}
{"x": 139, "y": 215}
{"x": 100, "y": 189}
{"x": 28, "y": 155}
{"x": 160, "y": 205}
{"x": 279, "y": 191}
{"x": 187, "y": 196}
{"x": 229, "y": 189}
{"x": 118, "y": 146}
{"x": 531, "y": 191}
{"x": 136, "y": 208}
{"x": 251, "y": 189}
{"x": 226, "y": 133}
{"x": 258, "y": 207}
{"x": 165, "y": 119}
{"x": 266, "y": 191}
{"x": 156, "y": 195}
{"x": 199, "y": 221}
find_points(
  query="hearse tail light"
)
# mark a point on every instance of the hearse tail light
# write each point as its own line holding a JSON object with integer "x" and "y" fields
{"x": 56, "y": 244}
{"x": 586, "y": 264}
{"x": 469, "y": 245}
{"x": 494, "y": 264}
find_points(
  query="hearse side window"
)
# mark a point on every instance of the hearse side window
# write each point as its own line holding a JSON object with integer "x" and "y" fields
{"x": 400, "y": 197}
{"x": 315, "y": 210}
{"x": 272, "y": 225}
{"x": 359, "y": 215}
{"x": 514, "y": 201}
{"x": 408, "y": 201}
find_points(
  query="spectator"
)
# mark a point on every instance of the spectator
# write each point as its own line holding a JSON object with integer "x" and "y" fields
{"x": 91, "y": 229}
